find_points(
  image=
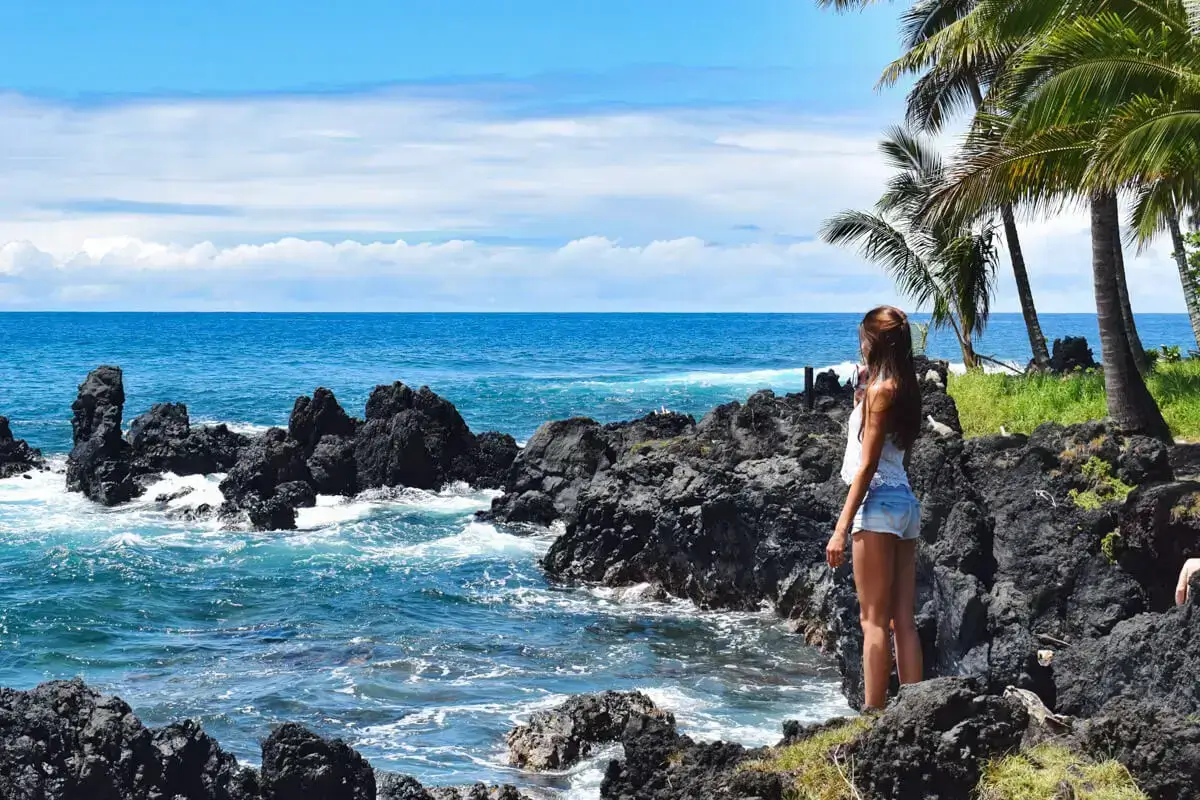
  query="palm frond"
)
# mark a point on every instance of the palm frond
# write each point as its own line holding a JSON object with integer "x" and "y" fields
{"x": 906, "y": 151}
{"x": 1042, "y": 173}
{"x": 1021, "y": 20}
{"x": 1084, "y": 68}
{"x": 1147, "y": 137}
{"x": 878, "y": 241}
{"x": 1154, "y": 203}
{"x": 966, "y": 269}
{"x": 940, "y": 95}
{"x": 845, "y": 5}
{"x": 927, "y": 17}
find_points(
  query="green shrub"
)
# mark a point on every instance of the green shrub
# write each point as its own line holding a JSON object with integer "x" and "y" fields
{"x": 1170, "y": 354}
{"x": 1103, "y": 487}
{"x": 1109, "y": 546}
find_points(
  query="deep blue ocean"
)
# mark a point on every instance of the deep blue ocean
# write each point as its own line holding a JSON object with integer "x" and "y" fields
{"x": 394, "y": 620}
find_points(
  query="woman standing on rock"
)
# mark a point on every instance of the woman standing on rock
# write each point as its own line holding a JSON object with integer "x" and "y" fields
{"x": 881, "y": 513}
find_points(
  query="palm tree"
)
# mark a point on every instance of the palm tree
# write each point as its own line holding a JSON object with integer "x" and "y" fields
{"x": 954, "y": 67}
{"x": 1159, "y": 207}
{"x": 948, "y": 268}
{"x": 1083, "y": 87}
{"x": 1134, "y": 64}
{"x": 1102, "y": 97}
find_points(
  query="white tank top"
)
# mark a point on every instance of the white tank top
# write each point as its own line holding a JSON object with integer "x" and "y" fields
{"x": 891, "y": 470}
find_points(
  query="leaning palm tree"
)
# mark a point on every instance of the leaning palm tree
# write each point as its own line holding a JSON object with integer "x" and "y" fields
{"x": 955, "y": 66}
{"x": 1138, "y": 68}
{"x": 1134, "y": 67}
{"x": 948, "y": 269}
{"x": 1045, "y": 171}
{"x": 1160, "y": 207}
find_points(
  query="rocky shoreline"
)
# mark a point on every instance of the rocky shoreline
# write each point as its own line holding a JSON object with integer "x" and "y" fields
{"x": 1046, "y": 580}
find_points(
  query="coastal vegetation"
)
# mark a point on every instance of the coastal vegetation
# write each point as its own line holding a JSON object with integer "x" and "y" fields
{"x": 947, "y": 266}
{"x": 1044, "y": 771}
{"x": 1073, "y": 104}
{"x": 816, "y": 766}
{"x": 821, "y": 767}
{"x": 989, "y": 402}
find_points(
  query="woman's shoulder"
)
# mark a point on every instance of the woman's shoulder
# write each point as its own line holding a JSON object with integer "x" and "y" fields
{"x": 882, "y": 393}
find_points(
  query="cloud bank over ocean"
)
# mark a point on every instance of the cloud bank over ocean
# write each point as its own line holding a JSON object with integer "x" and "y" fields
{"x": 399, "y": 200}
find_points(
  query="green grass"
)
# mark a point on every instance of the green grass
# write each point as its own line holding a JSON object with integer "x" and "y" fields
{"x": 809, "y": 763}
{"x": 1038, "y": 773}
{"x": 1034, "y": 774}
{"x": 1020, "y": 403}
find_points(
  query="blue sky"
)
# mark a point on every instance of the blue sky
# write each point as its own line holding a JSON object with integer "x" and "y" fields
{"x": 454, "y": 155}
{"x": 785, "y": 49}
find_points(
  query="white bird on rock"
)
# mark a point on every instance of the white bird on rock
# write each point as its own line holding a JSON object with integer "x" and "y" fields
{"x": 940, "y": 428}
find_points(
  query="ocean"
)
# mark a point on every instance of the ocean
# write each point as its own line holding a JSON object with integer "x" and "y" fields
{"x": 394, "y": 619}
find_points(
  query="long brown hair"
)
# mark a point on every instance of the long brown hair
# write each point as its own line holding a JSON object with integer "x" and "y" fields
{"x": 886, "y": 340}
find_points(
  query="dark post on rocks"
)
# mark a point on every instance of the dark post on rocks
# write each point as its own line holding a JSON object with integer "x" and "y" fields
{"x": 809, "y": 397}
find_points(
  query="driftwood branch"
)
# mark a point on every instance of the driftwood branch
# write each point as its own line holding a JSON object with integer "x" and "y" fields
{"x": 999, "y": 363}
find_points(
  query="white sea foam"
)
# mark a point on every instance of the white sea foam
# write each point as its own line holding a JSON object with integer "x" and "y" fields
{"x": 456, "y": 499}
{"x": 758, "y": 377}
{"x": 37, "y": 485}
{"x": 475, "y": 540}
{"x": 588, "y": 775}
{"x": 702, "y": 717}
{"x": 958, "y": 368}
{"x": 784, "y": 379}
{"x": 123, "y": 540}
{"x": 244, "y": 428}
{"x": 193, "y": 491}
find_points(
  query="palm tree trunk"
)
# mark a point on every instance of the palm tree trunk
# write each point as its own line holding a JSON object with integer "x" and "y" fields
{"x": 970, "y": 359}
{"x": 1135, "y": 341}
{"x": 1130, "y": 404}
{"x": 1037, "y": 341}
{"x": 1185, "y": 275}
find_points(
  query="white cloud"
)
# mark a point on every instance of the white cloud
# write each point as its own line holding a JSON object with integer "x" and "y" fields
{"x": 389, "y": 200}
{"x": 685, "y": 274}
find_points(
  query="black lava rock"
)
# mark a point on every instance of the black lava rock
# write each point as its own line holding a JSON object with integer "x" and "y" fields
{"x": 100, "y": 464}
{"x": 64, "y": 741}
{"x": 559, "y": 737}
{"x": 299, "y": 765}
{"x": 163, "y": 440}
{"x": 1159, "y": 746}
{"x": 16, "y": 456}
{"x": 1070, "y": 354}
{"x": 1153, "y": 658}
{"x": 932, "y": 741}
{"x": 256, "y": 483}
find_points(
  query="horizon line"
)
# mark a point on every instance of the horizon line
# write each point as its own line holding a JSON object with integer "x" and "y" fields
{"x": 549, "y": 313}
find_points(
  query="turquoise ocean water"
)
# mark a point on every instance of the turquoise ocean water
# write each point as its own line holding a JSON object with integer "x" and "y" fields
{"x": 394, "y": 620}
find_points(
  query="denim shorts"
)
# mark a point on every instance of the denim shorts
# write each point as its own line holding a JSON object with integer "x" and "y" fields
{"x": 890, "y": 509}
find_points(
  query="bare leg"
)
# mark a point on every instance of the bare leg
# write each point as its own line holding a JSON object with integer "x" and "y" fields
{"x": 904, "y": 625}
{"x": 874, "y": 572}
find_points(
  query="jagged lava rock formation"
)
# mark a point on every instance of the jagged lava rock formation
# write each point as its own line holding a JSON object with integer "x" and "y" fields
{"x": 409, "y": 438}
